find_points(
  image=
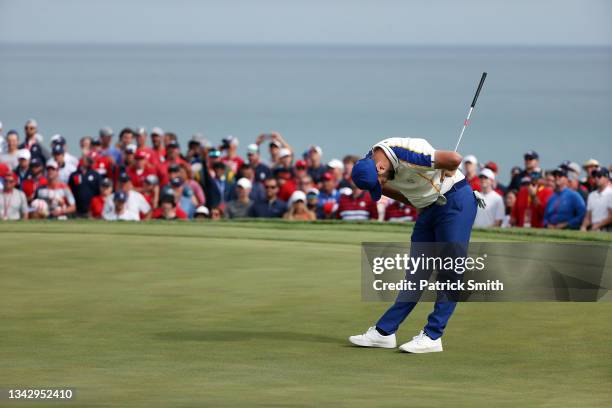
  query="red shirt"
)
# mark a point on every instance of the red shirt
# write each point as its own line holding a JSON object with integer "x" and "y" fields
{"x": 400, "y": 212}
{"x": 158, "y": 213}
{"x": 97, "y": 206}
{"x": 30, "y": 185}
{"x": 523, "y": 201}
{"x": 138, "y": 178}
{"x": 475, "y": 183}
{"x": 287, "y": 189}
{"x": 162, "y": 170}
{"x": 357, "y": 208}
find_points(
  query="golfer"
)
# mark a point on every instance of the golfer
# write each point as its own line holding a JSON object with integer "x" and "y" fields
{"x": 410, "y": 170}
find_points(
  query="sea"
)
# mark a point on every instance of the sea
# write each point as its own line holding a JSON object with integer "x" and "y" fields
{"x": 556, "y": 101}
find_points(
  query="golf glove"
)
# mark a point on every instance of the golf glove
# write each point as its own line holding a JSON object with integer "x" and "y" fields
{"x": 481, "y": 200}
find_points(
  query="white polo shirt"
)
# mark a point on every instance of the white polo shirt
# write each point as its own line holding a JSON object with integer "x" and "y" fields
{"x": 598, "y": 204}
{"x": 494, "y": 211}
{"x": 415, "y": 176}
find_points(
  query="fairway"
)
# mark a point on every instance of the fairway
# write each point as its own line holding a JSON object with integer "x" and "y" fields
{"x": 258, "y": 314}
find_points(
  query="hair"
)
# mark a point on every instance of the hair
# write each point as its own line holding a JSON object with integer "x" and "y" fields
{"x": 350, "y": 158}
{"x": 124, "y": 131}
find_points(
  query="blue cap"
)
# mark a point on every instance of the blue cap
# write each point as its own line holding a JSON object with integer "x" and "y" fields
{"x": 120, "y": 196}
{"x": 123, "y": 177}
{"x": 365, "y": 177}
{"x": 58, "y": 149}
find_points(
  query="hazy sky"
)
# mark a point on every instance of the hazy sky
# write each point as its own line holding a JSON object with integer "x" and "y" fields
{"x": 465, "y": 22}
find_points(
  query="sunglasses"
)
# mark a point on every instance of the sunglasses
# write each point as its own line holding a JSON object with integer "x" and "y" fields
{"x": 271, "y": 187}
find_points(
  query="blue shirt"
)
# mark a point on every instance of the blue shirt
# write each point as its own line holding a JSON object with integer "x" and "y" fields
{"x": 565, "y": 206}
{"x": 265, "y": 209}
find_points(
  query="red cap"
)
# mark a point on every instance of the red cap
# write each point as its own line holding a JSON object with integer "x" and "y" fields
{"x": 491, "y": 165}
{"x": 300, "y": 164}
{"x": 327, "y": 176}
{"x": 141, "y": 154}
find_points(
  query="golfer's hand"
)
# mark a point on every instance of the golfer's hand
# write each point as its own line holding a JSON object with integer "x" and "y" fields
{"x": 480, "y": 199}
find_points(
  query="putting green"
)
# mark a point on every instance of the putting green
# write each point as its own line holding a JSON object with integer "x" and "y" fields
{"x": 257, "y": 314}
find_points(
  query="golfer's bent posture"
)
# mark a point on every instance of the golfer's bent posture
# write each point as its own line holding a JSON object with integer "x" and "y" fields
{"x": 410, "y": 170}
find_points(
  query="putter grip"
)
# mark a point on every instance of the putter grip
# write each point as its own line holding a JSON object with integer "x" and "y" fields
{"x": 484, "y": 75}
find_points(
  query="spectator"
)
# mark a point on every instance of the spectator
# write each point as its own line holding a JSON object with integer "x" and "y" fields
{"x": 312, "y": 199}
{"x": 306, "y": 184}
{"x": 216, "y": 213}
{"x": 573, "y": 175}
{"x": 258, "y": 192}
{"x": 85, "y": 145}
{"x": 286, "y": 182}
{"x": 509, "y": 201}
{"x": 10, "y": 157}
{"x": 262, "y": 172}
{"x": 159, "y": 152}
{"x": 336, "y": 168}
{"x": 23, "y": 165}
{"x": 140, "y": 169}
{"x": 96, "y": 206}
{"x": 531, "y": 201}
{"x": 194, "y": 148}
{"x": 33, "y": 142}
{"x": 120, "y": 211}
{"x": 141, "y": 147}
{"x": 297, "y": 208}
{"x": 65, "y": 169}
{"x": 285, "y": 158}
{"x": 493, "y": 214}
{"x": 348, "y": 162}
{"x": 565, "y": 208}
{"x": 106, "y": 148}
{"x": 85, "y": 185}
{"x": 356, "y": 206}
{"x": 13, "y": 202}
{"x": 470, "y": 168}
{"x": 150, "y": 190}
{"x": 590, "y": 183}
{"x": 56, "y": 193}
{"x": 104, "y": 165}
{"x": 220, "y": 183}
{"x": 183, "y": 196}
{"x": 239, "y": 208}
{"x": 532, "y": 165}
{"x": 328, "y": 194}
{"x": 201, "y": 213}
{"x": 128, "y": 156}
{"x": 497, "y": 186}
{"x": 396, "y": 211}
{"x": 69, "y": 159}
{"x": 599, "y": 204}
{"x": 315, "y": 168}
{"x": 168, "y": 209}
{"x": 300, "y": 174}
{"x": 135, "y": 202}
{"x": 173, "y": 156}
{"x": 271, "y": 206}
{"x": 35, "y": 179}
{"x": 231, "y": 159}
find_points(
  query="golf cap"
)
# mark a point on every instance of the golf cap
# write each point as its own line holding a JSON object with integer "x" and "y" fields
{"x": 31, "y": 122}
{"x": 316, "y": 149}
{"x": 176, "y": 181}
{"x": 106, "y": 182}
{"x": 488, "y": 173}
{"x": 591, "y": 163}
{"x": 214, "y": 153}
{"x": 172, "y": 144}
{"x": 131, "y": 148}
{"x": 231, "y": 140}
{"x": 312, "y": 193}
{"x": 24, "y": 154}
{"x": 601, "y": 172}
{"x": 35, "y": 162}
{"x": 58, "y": 149}
{"x": 167, "y": 191}
{"x": 198, "y": 138}
{"x": 106, "y": 132}
{"x": 560, "y": 171}
{"x": 300, "y": 164}
{"x": 297, "y": 195}
{"x": 152, "y": 180}
{"x": 244, "y": 183}
{"x": 173, "y": 168}
{"x": 530, "y": 155}
{"x": 120, "y": 196}
{"x": 327, "y": 176}
{"x": 52, "y": 164}
{"x": 202, "y": 210}
{"x": 365, "y": 177}
{"x": 10, "y": 176}
{"x": 284, "y": 152}
{"x": 157, "y": 131}
{"x": 346, "y": 191}
{"x": 58, "y": 139}
{"x": 335, "y": 164}
{"x": 275, "y": 143}
{"x": 124, "y": 177}
{"x": 141, "y": 130}
{"x": 492, "y": 165}
{"x": 470, "y": 158}
{"x": 252, "y": 149}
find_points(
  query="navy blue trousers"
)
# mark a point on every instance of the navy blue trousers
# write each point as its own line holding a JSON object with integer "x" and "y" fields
{"x": 450, "y": 223}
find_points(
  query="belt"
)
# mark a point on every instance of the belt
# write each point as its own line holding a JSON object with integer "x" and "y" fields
{"x": 458, "y": 185}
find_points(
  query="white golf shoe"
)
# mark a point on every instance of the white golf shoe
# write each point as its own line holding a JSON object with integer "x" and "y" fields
{"x": 422, "y": 344}
{"x": 373, "y": 338}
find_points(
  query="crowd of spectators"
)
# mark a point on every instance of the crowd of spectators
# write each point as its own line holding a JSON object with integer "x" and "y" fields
{"x": 141, "y": 175}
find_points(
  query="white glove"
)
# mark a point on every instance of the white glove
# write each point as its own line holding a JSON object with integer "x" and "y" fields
{"x": 481, "y": 200}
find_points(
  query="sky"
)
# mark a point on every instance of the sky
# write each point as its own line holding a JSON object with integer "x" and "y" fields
{"x": 319, "y": 22}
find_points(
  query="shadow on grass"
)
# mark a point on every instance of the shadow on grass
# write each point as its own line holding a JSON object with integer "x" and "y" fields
{"x": 242, "y": 335}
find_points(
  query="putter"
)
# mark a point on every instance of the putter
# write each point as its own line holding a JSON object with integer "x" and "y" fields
{"x": 466, "y": 122}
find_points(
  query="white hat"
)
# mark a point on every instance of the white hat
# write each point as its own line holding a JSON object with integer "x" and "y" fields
{"x": 202, "y": 210}
{"x": 470, "y": 158}
{"x": 244, "y": 183}
{"x": 157, "y": 131}
{"x": 131, "y": 148}
{"x": 346, "y": 191}
{"x": 298, "y": 195}
{"x": 335, "y": 164}
{"x": 252, "y": 148}
{"x": 588, "y": 163}
{"x": 575, "y": 167}
{"x": 24, "y": 154}
{"x": 56, "y": 137}
{"x": 284, "y": 152}
{"x": 52, "y": 163}
{"x": 488, "y": 173}
{"x": 31, "y": 122}
{"x": 316, "y": 149}
{"x": 232, "y": 140}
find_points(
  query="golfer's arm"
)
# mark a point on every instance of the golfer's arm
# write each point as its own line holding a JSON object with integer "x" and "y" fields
{"x": 394, "y": 194}
{"x": 447, "y": 160}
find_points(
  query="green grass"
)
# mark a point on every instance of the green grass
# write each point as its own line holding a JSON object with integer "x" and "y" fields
{"x": 257, "y": 314}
